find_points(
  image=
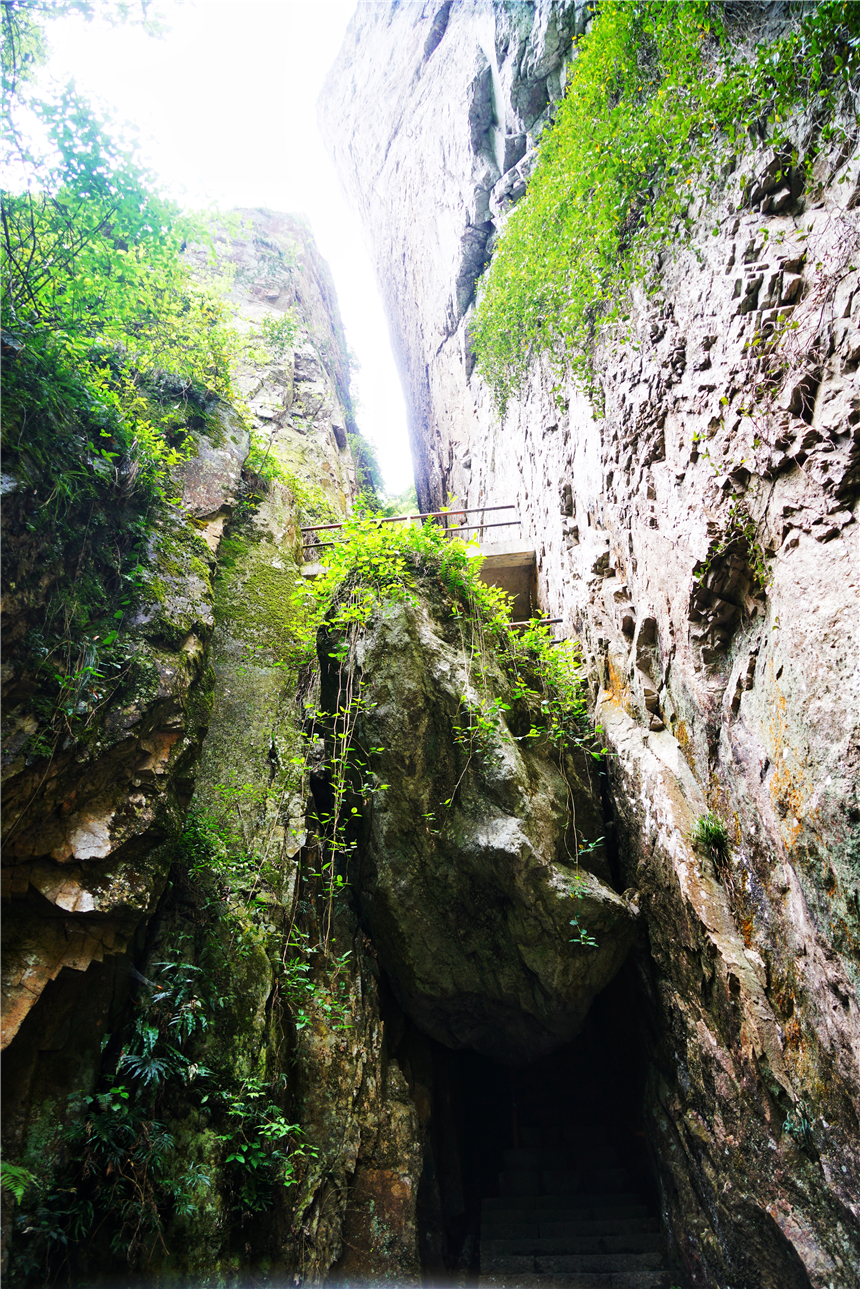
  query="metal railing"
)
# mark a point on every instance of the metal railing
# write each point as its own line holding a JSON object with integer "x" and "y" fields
{"x": 452, "y": 527}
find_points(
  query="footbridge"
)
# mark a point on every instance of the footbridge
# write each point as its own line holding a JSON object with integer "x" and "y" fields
{"x": 508, "y": 564}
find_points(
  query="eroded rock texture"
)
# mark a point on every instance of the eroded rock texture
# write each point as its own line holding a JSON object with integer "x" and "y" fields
{"x": 432, "y": 113}
{"x": 469, "y": 904}
{"x": 89, "y": 830}
{"x": 701, "y": 538}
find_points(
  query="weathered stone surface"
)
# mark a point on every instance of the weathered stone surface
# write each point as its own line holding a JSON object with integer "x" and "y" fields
{"x": 469, "y": 906}
{"x": 298, "y": 395}
{"x": 439, "y": 102}
{"x": 79, "y": 830}
{"x": 708, "y": 558}
{"x": 85, "y": 864}
{"x": 211, "y": 476}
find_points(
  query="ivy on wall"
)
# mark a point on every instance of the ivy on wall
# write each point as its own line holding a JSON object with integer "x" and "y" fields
{"x": 661, "y": 95}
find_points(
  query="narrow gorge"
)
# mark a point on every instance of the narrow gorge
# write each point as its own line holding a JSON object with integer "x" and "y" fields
{"x": 352, "y": 934}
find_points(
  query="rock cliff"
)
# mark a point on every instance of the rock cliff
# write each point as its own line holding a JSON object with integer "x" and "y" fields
{"x": 705, "y": 549}
{"x": 469, "y": 906}
{"x": 95, "y": 795}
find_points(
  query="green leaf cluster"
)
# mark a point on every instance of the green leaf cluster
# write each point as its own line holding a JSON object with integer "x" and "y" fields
{"x": 712, "y": 836}
{"x": 657, "y": 102}
{"x": 104, "y": 328}
{"x": 263, "y": 1148}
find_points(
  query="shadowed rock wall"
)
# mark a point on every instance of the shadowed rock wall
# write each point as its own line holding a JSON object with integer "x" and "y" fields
{"x": 89, "y": 831}
{"x": 705, "y": 549}
{"x": 469, "y": 904}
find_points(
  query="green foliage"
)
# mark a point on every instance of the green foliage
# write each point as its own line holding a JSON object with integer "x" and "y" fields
{"x": 15, "y": 1179}
{"x": 712, "y": 836}
{"x": 378, "y": 562}
{"x": 798, "y": 1124}
{"x": 112, "y": 355}
{"x": 370, "y": 479}
{"x": 741, "y": 535}
{"x": 404, "y": 503}
{"x": 656, "y": 104}
{"x": 580, "y": 935}
{"x": 280, "y": 333}
{"x": 263, "y": 1148}
{"x": 124, "y": 1169}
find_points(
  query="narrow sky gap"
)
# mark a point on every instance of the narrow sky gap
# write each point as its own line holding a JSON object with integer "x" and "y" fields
{"x": 225, "y": 103}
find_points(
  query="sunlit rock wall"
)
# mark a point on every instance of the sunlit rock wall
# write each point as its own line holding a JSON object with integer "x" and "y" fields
{"x": 467, "y": 863}
{"x": 703, "y": 544}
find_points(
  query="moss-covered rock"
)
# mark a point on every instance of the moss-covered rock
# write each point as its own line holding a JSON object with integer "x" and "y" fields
{"x": 467, "y": 861}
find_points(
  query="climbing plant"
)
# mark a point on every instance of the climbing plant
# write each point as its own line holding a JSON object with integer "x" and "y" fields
{"x": 658, "y": 101}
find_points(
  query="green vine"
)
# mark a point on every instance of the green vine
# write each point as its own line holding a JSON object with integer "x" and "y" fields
{"x": 658, "y": 102}
{"x": 741, "y": 533}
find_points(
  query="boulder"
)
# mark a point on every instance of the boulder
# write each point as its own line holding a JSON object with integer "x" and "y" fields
{"x": 469, "y": 904}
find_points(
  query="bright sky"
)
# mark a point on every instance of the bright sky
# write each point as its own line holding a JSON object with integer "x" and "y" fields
{"x": 225, "y": 104}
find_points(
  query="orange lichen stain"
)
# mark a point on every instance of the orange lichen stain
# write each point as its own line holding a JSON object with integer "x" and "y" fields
{"x": 747, "y": 927}
{"x": 682, "y": 734}
{"x": 618, "y": 688}
{"x": 789, "y": 789}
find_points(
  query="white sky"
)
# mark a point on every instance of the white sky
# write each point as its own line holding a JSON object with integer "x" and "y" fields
{"x": 225, "y": 104}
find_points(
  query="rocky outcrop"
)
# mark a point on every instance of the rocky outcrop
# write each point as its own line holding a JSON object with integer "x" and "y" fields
{"x": 207, "y": 633}
{"x": 702, "y": 541}
{"x": 432, "y": 114}
{"x": 82, "y": 827}
{"x": 469, "y": 903}
{"x": 293, "y": 362}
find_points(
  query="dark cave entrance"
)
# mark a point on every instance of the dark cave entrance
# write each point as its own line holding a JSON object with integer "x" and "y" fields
{"x": 573, "y": 1119}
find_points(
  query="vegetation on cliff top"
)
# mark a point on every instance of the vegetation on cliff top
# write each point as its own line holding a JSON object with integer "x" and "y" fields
{"x": 378, "y": 563}
{"x": 115, "y": 355}
{"x": 657, "y": 103}
{"x": 112, "y": 356}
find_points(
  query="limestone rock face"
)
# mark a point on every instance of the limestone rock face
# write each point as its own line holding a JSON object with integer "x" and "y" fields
{"x": 90, "y": 832}
{"x": 297, "y": 392}
{"x": 705, "y": 550}
{"x": 432, "y": 113}
{"x": 469, "y": 906}
{"x": 80, "y": 833}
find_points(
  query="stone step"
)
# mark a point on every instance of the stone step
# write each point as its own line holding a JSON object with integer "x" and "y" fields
{"x": 584, "y": 1280}
{"x": 559, "y": 1181}
{"x": 520, "y": 1229}
{"x": 583, "y": 1159}
{"x": 576, "y": 1262}
{"x": 571, "y": 1263}
{"x": 593, "y": 1152}
{"x": 592, "y": 1138}
{"x": 568, "y": 1216}
{"x": 634, "y": 1242}
{"x": 520, "y": 1205}
{"x": 600, "y": 1226}
{"x": 531, "y": 1159}
{"x": 597, "y": 1179}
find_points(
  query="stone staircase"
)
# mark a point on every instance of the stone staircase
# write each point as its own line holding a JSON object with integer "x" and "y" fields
{"x": 569, "y": 1218}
